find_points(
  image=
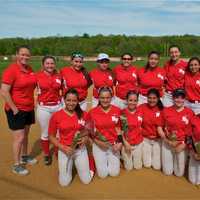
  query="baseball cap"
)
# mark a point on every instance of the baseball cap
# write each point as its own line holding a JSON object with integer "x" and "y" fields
{"x": 179, "y": 92}
{"x": 103, "y": 56}
{"x": 77, "y": 55}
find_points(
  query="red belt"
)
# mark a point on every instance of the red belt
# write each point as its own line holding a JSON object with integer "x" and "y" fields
{"x": 49, "y": 103}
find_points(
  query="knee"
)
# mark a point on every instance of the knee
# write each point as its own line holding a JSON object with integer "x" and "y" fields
{"x": 86, "y": 179}
{"x": 167, "y": 172}
{"x": 65, "y": 181}
{"x": 114, "y": 172}
{"x": 102, "y": 173}
{"x": 19, "y": 138}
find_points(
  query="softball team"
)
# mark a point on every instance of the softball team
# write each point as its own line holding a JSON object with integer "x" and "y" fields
{"x": 127, "y": 121}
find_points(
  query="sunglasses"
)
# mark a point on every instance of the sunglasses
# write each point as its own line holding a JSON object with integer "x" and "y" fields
{"x": 77, "y": 55}
{"x": 126, "y": 58}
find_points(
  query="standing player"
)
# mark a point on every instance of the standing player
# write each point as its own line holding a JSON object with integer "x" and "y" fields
{"x": 192, "y": 85}
{"x": 151, "y": 113}
{"x": 175, "y": 73}
{"x": 126, "y": 79}
{"x": 18, "y": 84}
{"x": 49, "y": 85}
{"x": 151, "y": 76}
{"x": 132, "y": 148}
{"x": 107, "y": 143}
{"x": 101, "y": 76}
{"x": 70, "y": 123}
{"x": 76, "y": 76}
{"x": 177, "y": 124}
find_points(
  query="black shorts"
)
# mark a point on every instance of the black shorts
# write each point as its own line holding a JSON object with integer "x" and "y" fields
{"x": 20, "y": 120}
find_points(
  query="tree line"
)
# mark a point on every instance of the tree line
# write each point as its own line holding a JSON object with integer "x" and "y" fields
{"x": 114, "y": 45}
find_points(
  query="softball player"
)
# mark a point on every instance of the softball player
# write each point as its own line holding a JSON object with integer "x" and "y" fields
{"x": 107, "y": 144}
{"x": 151, "y": 113}
{"x": 126, "y": 79}
{"x": 77, "y": 77}
{"x": 194, "y": 163}
{"x": 175, "y": 72}
{"x": 18, "y": 84}
{"x": 101, "y": 76}
{"x": 192, "y": 85}
{"x": 132, "y": 148}
{"x": 49, "y": 87}
{"x": 70, "y": 122}
{"x": 177, "y": 123}
{"x": 151, "y": 76}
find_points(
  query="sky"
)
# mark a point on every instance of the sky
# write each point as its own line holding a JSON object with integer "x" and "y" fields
{"x": 41, "y": 18}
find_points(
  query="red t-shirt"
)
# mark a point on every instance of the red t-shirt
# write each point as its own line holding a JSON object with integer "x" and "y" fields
{"x": 152, "y": 118}
{"x": 126, "y": 79}
{"x": 49, "y": 86}
{"x": 178, "y": 123}
{"x": 75, "y": 79}
{"x": 152, "y": 78}
{"x": 23, "y": 83}
{"x": 196, "y": 129}
{"x": 66, "y": 125}
{"x": 106, "y": 123}
{"x": 192, "y": 86}
{"x": 175, "y": 75}
{"x": 101, "y": 78}
{"x": 133, "y": 136}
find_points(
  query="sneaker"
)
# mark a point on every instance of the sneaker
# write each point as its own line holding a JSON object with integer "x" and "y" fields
{"x": 28, "y": 160}
{"x": 20, "y": 170}
{"x": 47, "y": 160}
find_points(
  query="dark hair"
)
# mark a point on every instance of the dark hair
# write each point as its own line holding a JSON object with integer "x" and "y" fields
{"x": 22, "y": 47}
{"x": 148, "y": 65}
{"x": 48, "y": 57}
{"x": 191, "y": 59}
{"x": 131, "y": 92}
{"x": 87, "y": 76}
{"x": 157, "y": 94}
{"x": 78, "y": 109}
{"x": 179, "y": 92}
{"x": 174, "y": 46}
{"x": 126, "y": 54}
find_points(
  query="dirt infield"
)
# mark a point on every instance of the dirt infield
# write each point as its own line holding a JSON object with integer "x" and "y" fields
{"x": 42, "y": 182}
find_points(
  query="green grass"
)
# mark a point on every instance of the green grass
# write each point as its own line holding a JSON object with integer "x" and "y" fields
{"x": 36, "y": 64}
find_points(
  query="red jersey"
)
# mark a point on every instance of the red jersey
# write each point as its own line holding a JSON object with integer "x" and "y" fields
{"x": 49, "y": 86}
{"x": 75, "y": 79}
{"x": 151, "y": 119}
{"x": 192, "y": 86}
{"x": 175, "y": 75}
{"x": 66, "y": 125}
{"x": 196, "y": 129}
{"x": 133, "y": 136}
{"x": 126, "y": 79}
{"x": 178, "y": 123}
{"x": 101, "y": 78}
{"x": 106, "y": 123}
{"x": 152, "y": 78}
{"x": 23, "y": 83}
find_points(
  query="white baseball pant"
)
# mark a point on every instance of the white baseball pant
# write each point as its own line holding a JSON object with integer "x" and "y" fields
{"x": 120, "y": 103}
{"x": 134, "y": 160}
{"x": 194, "y": 171}
{"x": 172, "y": 161}
{"x": 167, "y": 100}
{"x": 151, "y": 153}
{"x": 142, "y": 99}
{"x": 107, "y": 162}
{"x": 81, "y": 161}
{"x": 194, "y": 106}
{"x": 83, "y": 105}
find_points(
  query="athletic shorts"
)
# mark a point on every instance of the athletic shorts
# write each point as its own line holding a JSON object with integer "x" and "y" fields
{"x": 20, "y": 120}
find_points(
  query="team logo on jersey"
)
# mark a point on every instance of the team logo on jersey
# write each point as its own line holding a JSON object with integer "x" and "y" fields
{"x": 32, "y": 73}
{"x": 110, "y": 77}
{"x": 139, "y": 118}
{"x": 160, "y": 76}
{"x": 81, "y": 122}
{"x": 115, "y": 119}
{"x": 198, "y": 82}
{"x": 117, "y": 83}
{"x": 181, "y": 71}
{"x": 185, "y": 120}
{"x": 134, "y": 75}
{"x": 157, "y": 114}
{"x": 58, "y": 81}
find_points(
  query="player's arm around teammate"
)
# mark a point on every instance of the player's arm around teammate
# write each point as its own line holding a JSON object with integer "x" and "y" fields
{"x": 70, "y": 122}
{"x": 151, "y": 76}
{"x": 131, "y": 122}
{"x": 107, "y": 141}
{"x": 177, "y": 124}
{"x": 192, "y": 85}
{"x": 126, "y": 79}
{"x": 18, "y": 84}
{"x": 101, "y": 76}
{"x": 49, "y": 87}
{"x": 77, "y": 77}
{"x": 175, "y": 74}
